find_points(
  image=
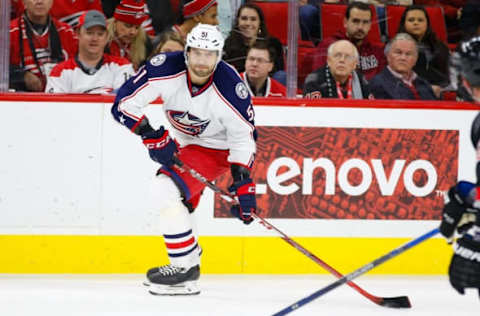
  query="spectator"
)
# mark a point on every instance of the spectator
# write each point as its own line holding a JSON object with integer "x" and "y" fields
{"x": 309, "y": 17}
{"x": 91, "y": 70}
{"x": 338, "y": 79}
{"x": 170, "y": 41}
{"x": 37, "y": 43}
{"x": 249, "y": 26}
{"x": 452, "y": 10}
{"x": 398, "y": 80}
{"x": 126, "y": 38}
{"x": 195, "y": 12}
{"x": 357, "y": 23}
{"x": 258, "y": 66}
{"x": 433, "y": 54}
{"x": 160, "y": 14}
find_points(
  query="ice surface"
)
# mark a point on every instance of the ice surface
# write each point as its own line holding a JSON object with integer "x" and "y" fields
{"x": 222, "y": 295}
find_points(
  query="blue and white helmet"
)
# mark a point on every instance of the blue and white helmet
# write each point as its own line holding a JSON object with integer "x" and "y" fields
{"x": 205, "y": 36}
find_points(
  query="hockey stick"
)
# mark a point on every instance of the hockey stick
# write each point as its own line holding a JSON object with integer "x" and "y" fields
{"x": 357, "y": 273}
{"x": 393, "y": 302}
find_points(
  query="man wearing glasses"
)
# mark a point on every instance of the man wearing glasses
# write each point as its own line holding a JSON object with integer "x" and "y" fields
{"x": 338, "y": 79}
{"x": 258, "y": 66}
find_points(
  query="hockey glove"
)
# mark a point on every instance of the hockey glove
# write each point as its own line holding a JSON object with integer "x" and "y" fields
{"x": 245, "y": 191}
{"x": 161, "y": 147}
{"x": 464, "y": 270}
{"x": 457, "y": 202}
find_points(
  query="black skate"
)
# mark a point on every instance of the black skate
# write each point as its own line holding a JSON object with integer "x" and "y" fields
{"x": 172, "y": 280}
{"x": 156, "y": 269}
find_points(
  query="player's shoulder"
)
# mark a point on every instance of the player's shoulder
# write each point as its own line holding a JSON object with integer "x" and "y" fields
{"x": 231, "y": 86}
{"x": 110, "y": 59}
{"x": 66, "y": 65}
{"x": 166, "y": 64}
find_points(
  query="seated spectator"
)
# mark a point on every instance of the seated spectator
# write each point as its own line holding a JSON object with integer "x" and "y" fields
{"x": 170, "y": 41}
{"x": 126, "y": 38}
{"x": 194, "y": 12}
{"x": 258, "y": 66}
{"x": 451, "y": 10}
{"x": 158, "y": 14}
{"x": 338, "y": 79}
{"x": 249, "y": 27}
{"x": 309, "y": 18}
{"x": 433, "y": 55}
{"x": 37, "y": 43}
{"x": 357, "y": 23}
{"x": 398, "y": 80}
{"x": 91, "y": 70}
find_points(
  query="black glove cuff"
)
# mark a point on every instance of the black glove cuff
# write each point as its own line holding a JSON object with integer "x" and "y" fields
{"x": 239, "y": 172}
{"x": 144, "y": 127}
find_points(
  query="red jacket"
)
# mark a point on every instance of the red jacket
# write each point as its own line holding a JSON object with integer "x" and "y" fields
{"x": 372, "y": 58}
{"x": 42, "y": 45}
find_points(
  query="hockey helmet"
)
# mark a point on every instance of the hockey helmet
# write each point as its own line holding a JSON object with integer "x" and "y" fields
{"x": 467, "y": 61}
{"x": 205, "y": 36}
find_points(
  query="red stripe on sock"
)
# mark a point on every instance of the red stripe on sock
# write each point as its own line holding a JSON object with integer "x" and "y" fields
{"x": 177, "y": 245}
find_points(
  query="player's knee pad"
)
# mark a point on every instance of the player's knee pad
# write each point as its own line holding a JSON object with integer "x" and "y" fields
{"x": 165, "y": 196}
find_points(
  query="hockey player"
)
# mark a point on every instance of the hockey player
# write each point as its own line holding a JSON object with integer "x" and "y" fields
{"x": 211, "y": 113}
{"x": 462, "y": 205}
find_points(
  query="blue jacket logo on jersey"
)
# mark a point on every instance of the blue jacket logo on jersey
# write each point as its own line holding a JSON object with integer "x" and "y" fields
{"x": 187, "y": 123}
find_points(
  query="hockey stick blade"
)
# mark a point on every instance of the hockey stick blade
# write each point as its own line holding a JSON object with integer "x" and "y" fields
{"x": 357, "y": 273}
{"x": 392, "y": 302}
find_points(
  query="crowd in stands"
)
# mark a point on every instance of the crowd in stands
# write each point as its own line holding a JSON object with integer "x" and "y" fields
{"x": 364, "y": 49}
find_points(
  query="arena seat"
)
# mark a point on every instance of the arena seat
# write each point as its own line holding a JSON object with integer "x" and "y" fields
{"x": 304, "y": 63}
{"x": 276, "y": 18}
{"x": 435, "y": 14}
{"x": 332, "y": 16}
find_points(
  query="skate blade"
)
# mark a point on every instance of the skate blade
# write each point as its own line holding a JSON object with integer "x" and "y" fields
{"x": 186, "y": 288}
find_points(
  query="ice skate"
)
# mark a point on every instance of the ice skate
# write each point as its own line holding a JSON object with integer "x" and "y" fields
{"x": 156, "y": 269}
{"x": 172, "y": 280}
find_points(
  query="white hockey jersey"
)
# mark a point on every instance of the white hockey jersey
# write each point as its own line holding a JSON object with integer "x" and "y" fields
{"x": 70, "y": 77}
{"x": 218, "y": 115}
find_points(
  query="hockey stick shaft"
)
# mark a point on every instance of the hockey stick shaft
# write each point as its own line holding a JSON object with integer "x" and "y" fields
{"x": 357, "y": 272}
{"x": 396, "y": 302}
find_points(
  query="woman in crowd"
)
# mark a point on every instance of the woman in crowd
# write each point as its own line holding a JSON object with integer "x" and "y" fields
{"x": 126, "y": 37}
{"x": 433, "y": 57}
{"x": 249, "y": 26}
{"x": 169, "y": 41}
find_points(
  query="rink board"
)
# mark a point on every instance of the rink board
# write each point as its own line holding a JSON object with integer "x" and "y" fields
{"x": 73, "y": 191}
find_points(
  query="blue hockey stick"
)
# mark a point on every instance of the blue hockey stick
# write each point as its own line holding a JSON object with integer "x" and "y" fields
{"x": 357, "y": 273}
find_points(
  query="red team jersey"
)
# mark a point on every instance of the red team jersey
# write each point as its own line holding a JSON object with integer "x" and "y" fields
{"x": 42, "y": 47}
{"x": 70, "y": 77}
